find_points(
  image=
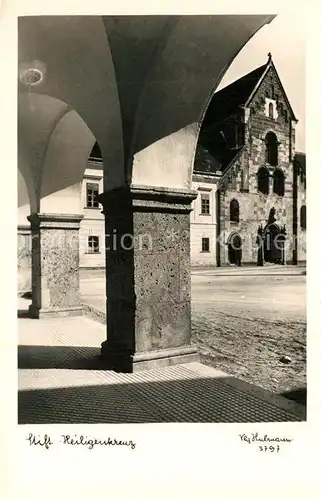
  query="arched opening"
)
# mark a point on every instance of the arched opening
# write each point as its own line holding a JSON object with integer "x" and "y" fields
{"x": 278, "y": 182}
{"x": 263, "y": 180}
{"x": 271, "y": 154}
{"x": 235, "y": 249}
{"x": 271, "y": 110}
{"x": 274, "y": 240}
{"x": 54, "y": 147}
{"x": 303, "y": 217}
{"x": 140, "y": 146}
{"x": 234, "y": 211}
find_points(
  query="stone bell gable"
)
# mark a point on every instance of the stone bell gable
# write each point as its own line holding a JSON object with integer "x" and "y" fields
{"x": 270, "y": 130}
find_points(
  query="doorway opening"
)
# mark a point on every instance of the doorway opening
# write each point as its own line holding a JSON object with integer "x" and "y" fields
{"x": 235, "y": 249}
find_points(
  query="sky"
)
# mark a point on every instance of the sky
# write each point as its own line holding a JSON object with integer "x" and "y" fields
{"x": 284, "y": 37}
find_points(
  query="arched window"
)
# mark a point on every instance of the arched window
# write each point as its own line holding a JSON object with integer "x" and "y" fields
{"x": 263, "y": 180}
{"x": 278, "y": 182}
{"x": 271, "y": 149}
{"x": 234, "y": 211}
{"x": 303, "y": 217}
{"x": 271, "y": 110}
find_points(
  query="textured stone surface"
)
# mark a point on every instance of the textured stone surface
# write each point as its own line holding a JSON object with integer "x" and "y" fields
{"x": 148, "y": 285}
{"x": 302, "y": 250}
{"x": 24, "y": 259}
{"x": 55, "y": 263}
{"x": 242, "y": 185}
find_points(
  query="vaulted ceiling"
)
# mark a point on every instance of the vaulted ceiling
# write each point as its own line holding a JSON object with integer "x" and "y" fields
{"x": 139, "y": 85}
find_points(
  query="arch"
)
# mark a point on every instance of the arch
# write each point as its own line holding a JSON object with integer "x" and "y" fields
{"x": 54, "y": 145}
{"x": 271, "y": 152}
{"x": 274, "y": 240}
{"x": 278, "y": 182}
{"x": 26, "y": 173}
{"x": 303, "y": 217}
{"x": 188, "y": 60}
{"x": 64, "y": 165}
{"x": 23, "y": 200}
{"x": 271, "y": 114}
{"x": 234, "y": 246}
{"x": 263, "y": 180}
{"x": 86, "y": 83}
{"x": 234, "y": 211}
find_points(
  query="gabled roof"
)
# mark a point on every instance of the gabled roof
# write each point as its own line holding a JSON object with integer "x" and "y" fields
{"x": 231, "y": 158}
{"x": 227, "y": 101}
{"x": 269, "y": 65}
{"x": 205, "y": 162}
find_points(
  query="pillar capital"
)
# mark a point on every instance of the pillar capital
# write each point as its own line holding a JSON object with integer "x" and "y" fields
{"x": 54, "y": 221}
{"x": 147, "y": 199}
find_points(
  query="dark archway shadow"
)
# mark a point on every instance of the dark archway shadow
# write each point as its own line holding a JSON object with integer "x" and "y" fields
{"x": 59, "y": 357}
{"x": 299, "y": 395}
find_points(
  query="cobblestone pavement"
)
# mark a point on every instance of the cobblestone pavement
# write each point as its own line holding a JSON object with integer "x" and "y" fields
{"x": 59, "y": 381}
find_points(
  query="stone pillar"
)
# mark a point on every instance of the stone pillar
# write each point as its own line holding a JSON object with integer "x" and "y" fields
{"x": 24, "y": 259}
{"x": 148, "y": 278}
{"x": 55, "y": 265}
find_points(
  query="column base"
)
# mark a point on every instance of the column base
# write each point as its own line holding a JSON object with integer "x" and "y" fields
{"x": 122, "y": 361}
{"x": 37, "y": 313}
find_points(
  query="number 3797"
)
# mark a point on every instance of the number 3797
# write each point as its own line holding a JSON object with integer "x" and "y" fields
{"x": 270, "y": 449}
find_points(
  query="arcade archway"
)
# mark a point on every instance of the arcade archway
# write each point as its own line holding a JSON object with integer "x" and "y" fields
{"x": 140, "y": 86}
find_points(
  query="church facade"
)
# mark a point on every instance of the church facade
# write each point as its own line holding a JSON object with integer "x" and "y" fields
{"x": 250, "y": 182}
{"x": 251, "y": 206}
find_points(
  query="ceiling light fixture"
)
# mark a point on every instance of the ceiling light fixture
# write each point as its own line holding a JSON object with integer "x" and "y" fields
{"x": 31, "y": 76}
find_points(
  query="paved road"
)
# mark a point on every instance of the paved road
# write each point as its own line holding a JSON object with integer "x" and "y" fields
{"x": 244, "y": 322}
{"x": 279, "y": 298}
{"x": 276, "y": 293}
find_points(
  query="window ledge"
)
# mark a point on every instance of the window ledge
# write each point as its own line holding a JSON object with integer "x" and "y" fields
{"x": 205, "y": 215}
{"x": 92, "y": 208}
{"x": 92, "y": 253}
{"x": 205, "y": 251}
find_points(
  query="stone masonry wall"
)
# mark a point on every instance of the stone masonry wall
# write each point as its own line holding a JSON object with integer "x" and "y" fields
{"x": 302, "y": 250}
{"x": 255, "y": 206}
